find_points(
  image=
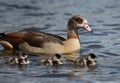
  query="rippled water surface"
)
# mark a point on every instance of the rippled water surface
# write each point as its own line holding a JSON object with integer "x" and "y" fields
{"x": 52, "y": 16}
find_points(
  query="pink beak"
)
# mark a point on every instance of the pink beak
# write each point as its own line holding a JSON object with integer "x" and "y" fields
{"x": 88, "y": 28}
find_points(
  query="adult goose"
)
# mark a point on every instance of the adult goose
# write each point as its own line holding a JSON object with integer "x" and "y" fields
{"x": 46, "y": 43}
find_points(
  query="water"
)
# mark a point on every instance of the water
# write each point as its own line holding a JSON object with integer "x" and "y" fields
{"x": 52, "y": 16}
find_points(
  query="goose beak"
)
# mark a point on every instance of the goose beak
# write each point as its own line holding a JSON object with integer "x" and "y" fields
{"x": 86, "y": 27}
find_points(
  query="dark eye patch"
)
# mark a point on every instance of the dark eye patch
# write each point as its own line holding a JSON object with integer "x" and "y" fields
{"x": 79, "y": 20}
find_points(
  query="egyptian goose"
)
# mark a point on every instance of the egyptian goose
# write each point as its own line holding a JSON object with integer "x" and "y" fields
{"x": 19, "y": 59}
{"x": 54, "y": 60}
{"x": 46, "y": 43}
{"x": 86, "y": 61}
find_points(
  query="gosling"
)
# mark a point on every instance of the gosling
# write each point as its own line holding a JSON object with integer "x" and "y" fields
{"x": 54, "y": 60}
{"x": 86, "y": 61}
{"x": 19, "y": 59}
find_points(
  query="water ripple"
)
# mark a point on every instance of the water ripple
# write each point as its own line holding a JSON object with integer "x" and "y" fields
{"x": 40, "y": 14}
{"x": 94, "y": 46}
{"x": 112, "y": 6}
{"x": 17, "y": 6}
{"x": 67, "y": 14}
{"x": 54, "y": 75}
{"x": 115, "y": 24}
{"x": 89, "y": 42}
{"x": 109, "y": 53}
{"x": 30, "y": 28}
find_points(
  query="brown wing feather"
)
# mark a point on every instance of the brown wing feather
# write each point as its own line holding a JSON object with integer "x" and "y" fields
{"x": 15, "y": 35}
{"x": 38, "y": 38}
{"x": 15, "y": 38}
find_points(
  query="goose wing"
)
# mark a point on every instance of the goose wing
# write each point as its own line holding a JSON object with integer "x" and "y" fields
{"x": 38, "y": 39}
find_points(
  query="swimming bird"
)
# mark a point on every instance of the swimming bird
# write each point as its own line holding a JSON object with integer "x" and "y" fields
{"x": 19, "y": 59}
{"x": 86, "y": 61}
{"x": 46, "y": 43}
{"x": 54, "y": 60}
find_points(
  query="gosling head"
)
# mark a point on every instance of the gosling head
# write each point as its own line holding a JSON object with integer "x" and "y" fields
{"x": 23, "y": 59}
{"x": 91, "y": 60}
{"x": 91, "y": 57}
{"x": 56, "y": 60}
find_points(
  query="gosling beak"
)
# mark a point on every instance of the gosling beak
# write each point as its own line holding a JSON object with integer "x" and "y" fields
{"x": 86, "y": 27}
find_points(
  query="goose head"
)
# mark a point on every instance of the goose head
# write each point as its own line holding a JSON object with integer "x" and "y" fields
{"x": 77, "y": 22}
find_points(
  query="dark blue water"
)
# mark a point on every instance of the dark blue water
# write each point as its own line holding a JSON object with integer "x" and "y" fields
{"x": 52, "y": 16}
